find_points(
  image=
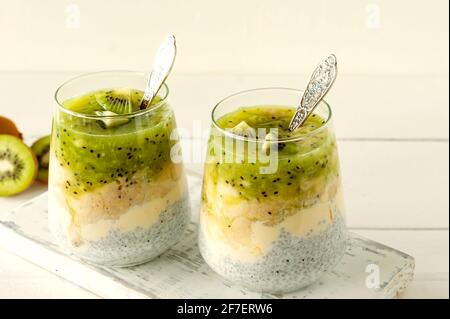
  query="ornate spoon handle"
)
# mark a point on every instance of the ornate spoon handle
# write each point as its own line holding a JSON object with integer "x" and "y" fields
{"x": 161, "y": 68}
{"x": 318, "y": 85}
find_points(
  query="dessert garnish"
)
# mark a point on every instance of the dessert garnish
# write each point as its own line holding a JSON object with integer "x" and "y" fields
{"x": 319, "y": 84}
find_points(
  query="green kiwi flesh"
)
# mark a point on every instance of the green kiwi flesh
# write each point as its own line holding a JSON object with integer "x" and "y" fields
{"x": 110, "y": 104}
{"x": 18, "y": 166}
{"x": 303, "y": 165}
{"x": 41, "y": 149}
{"x": 95, "y": 154}
{"x": 117, "y": 101}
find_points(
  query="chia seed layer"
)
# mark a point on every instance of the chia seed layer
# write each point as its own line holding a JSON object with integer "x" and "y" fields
{"x": 124, "y": 249}
{"x": 291, "y": 263}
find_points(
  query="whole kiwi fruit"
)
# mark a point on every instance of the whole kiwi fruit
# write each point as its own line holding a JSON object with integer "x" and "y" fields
{"x": 41, "y": 149}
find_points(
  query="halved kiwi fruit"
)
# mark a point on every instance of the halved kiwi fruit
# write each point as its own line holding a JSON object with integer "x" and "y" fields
{"x": 119, "y": 101}
{"x": 9, "y": 128}
{"x": 18, "y": 165}
{"x": 41, "y": 149}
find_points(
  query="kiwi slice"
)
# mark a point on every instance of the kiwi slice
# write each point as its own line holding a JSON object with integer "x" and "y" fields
{"x": 86, "y": 104}
{"x": 8, "y": 127}
{"x": 18, "y": 166}
{"x": 118, "y": 101}
{"x": 243, "y": 129}
{"x": 41, "y": 149}
{"x": 109, "y": 120}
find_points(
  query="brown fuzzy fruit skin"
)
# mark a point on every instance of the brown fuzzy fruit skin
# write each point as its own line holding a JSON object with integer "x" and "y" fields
{"x": 9, "y": 128}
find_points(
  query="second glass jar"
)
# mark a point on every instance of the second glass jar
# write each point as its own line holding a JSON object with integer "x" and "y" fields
{"x": 272, "y": 213}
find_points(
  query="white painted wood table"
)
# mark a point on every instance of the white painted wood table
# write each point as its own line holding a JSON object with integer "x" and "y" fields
{"x": 395, "y": 167}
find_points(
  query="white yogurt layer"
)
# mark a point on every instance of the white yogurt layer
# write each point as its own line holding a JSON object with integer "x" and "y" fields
{"x": 247, "y": 238}
{"x": 93, "y": 215}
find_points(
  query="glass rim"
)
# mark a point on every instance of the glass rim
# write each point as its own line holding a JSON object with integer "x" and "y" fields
{"x": 280, "y": 140}
{"x": 97, "y": 117}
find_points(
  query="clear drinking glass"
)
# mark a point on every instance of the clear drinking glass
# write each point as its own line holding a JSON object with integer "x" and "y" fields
{"x": 272, "y": 213}
{"x": 116, "y": 197}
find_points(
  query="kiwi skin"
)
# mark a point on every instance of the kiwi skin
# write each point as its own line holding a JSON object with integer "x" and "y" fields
{"x": 9, "y": 128}
{"x": 41, "y": 149}
{"x": 27, "y": 156}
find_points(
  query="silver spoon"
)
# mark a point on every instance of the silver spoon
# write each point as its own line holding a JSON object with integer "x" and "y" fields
{"x": 319, "y": 84}
{"x": 161, "y": 68}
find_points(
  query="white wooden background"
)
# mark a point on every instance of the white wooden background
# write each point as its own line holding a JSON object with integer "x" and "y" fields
{"x": 252, "y": 36}
{"x": 390, "y": 101}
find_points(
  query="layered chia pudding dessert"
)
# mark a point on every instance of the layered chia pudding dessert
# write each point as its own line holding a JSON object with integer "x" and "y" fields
{"x": 271, "y": 230}
{"x": 116, "y": 197}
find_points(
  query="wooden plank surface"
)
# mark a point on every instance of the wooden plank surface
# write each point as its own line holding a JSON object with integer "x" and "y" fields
{"x": 396, "y": 184}
{"x": 182, "y": 273}
{"x": 19, "y": 278}
{"x": 395, "y": 166}
{"x": 22, "y": 279}
{"x": 430, "y": 249}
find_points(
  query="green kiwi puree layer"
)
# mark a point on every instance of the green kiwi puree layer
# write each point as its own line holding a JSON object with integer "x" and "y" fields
{"x": 96, "y": 153}
{"x": 305, "y": 161}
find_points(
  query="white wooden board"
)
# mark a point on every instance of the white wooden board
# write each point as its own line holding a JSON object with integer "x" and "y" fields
{"x": 430, "y": 250}
{"x": 181, "y": 272}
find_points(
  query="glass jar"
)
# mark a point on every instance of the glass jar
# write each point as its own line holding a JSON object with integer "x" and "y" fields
{"x": 272, "y": 213}
{"x": 116, "y": 195}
